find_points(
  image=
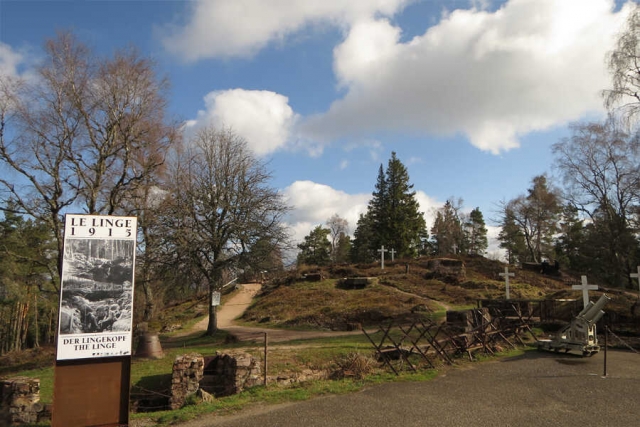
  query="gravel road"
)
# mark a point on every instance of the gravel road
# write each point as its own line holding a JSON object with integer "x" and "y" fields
{"x": 536, "y": 389}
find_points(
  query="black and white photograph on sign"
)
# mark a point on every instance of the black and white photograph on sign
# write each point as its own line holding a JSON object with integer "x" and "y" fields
{"x": 97, "y": 286}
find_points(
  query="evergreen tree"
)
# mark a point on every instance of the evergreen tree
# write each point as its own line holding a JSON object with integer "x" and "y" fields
{"x": 316, "y": 248}
{"x": 378, "y": 212}
{"x": 446, "y": 233}
{"x": 403, "y": 227}
{"x": 343, "y": 249}
{"x": 512, "y": 239}
{"x": 535, "y": 216}
{"x": 363, "y": 241}
{"x": 476, "y": 233}
{"x": 393, "y": 218}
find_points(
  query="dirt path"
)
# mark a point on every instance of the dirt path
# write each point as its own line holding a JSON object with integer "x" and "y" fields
{"x": 234, "y": 308}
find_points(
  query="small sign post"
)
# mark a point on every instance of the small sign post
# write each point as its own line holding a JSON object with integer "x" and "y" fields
{"x": 215, "y": 298}
{"x": 506, "y": 276}
{"x": 584, "y": 287}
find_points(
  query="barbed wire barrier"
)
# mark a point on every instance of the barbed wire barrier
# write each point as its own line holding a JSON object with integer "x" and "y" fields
{"x": 425, "y": 342}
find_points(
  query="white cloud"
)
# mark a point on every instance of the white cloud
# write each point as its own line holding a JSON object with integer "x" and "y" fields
{"x": 223, "y": 28}
{"x": 492, "y": 76}
{"x": 263, "y": 118}
{"x": 313, "y": 204}
{"x": 10, "y": 60}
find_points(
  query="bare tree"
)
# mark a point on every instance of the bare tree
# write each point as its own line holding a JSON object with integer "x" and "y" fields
{"x": 220, "y": 207}
{"x": 534, "y": 217}
{"x": 85, "y": 134}
{"x": 601, "y": 169}
{"x": 624, "y": 64}
{"x": 337, "y": 227}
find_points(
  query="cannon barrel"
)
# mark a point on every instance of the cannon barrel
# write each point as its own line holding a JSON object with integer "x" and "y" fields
{"x": 594, "y": 312}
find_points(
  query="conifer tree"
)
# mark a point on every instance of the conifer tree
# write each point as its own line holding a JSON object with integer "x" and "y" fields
{"x": 363, "y": 240}
{"x": 476, "y": 233}
{"x": 393, "y": 217}
{"x": 316, "y": 248}
{"x": 446, "y": 234}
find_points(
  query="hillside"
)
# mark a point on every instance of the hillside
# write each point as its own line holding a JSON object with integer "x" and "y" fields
{"x": 318, "y": 297}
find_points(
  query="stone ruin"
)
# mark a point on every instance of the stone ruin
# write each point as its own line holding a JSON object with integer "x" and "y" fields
{"x": 220, "y": 375}
{"x": 464, "y": 321}
{"x": 230, "y": 373}
{"x": 447, "y": 268}
{"x": 20, "y": 402}
{"x": 185, "y": 379}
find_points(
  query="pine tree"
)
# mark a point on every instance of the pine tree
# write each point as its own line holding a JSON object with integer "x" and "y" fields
{"x": 405, "y": 224}
{"x": 393, "y": 218}
{"x": 363, "y": 241}
{"x": 476, "y": 233}
{"x": 316, "y": 248}
{"x": 446, "y": 234}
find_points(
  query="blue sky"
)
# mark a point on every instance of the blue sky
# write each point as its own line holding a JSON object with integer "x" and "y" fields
{"x": 470, "y": 94}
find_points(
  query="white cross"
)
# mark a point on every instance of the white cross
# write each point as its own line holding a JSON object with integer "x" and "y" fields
{"x": 585, "y": 289}
{"x": 455, "y": 249}
{"x": 636, "y": 276}
{"x": 382, "y": 251}
{"x": 506, "y": 275}
{"x": 392, "y": 252}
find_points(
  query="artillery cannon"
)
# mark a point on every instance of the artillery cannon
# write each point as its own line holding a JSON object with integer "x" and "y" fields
{"x": 580, "y": 335}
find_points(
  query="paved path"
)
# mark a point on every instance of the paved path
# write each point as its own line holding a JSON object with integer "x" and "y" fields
{"x": 536, "y": 389}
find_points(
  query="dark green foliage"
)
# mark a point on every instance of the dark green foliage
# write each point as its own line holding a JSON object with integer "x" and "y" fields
{"x": 393, "y": 218}
{"x": 476, "y": 233}
{"x": 447, "y": 236}
{"x": 27, "y": 295}
{"x": 316, "y": 248}
{"x": 534, "y": 219}
{"x": 362, "y": 248}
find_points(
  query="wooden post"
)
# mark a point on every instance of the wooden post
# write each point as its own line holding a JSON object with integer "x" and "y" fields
{"x": 266, "y": 350}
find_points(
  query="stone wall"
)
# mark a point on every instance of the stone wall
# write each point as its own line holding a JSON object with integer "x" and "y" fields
{"x": 185, "y": 379}
{"x": 20, "y": 402}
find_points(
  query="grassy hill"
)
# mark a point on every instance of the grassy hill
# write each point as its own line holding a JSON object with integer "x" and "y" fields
{"x": 300, "y": 300}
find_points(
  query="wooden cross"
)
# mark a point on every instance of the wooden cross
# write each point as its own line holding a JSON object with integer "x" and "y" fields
{"x": 585, "y": 289}
{"x": 382, "y": 250}
{"x": 506, "y": 276}
{"x": 636, "y": 276}
{"x": 392, "y": 252}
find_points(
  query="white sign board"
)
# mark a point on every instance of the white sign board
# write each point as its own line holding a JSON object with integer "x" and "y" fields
{"x": 215, "y": 298}
{"x": 96, "y": 288}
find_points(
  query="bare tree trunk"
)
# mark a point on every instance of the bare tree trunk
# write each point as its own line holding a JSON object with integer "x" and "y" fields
{"x": 36, "y": 342}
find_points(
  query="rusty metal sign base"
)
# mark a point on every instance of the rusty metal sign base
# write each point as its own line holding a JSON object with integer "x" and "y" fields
{"x": 92, "y": 392}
